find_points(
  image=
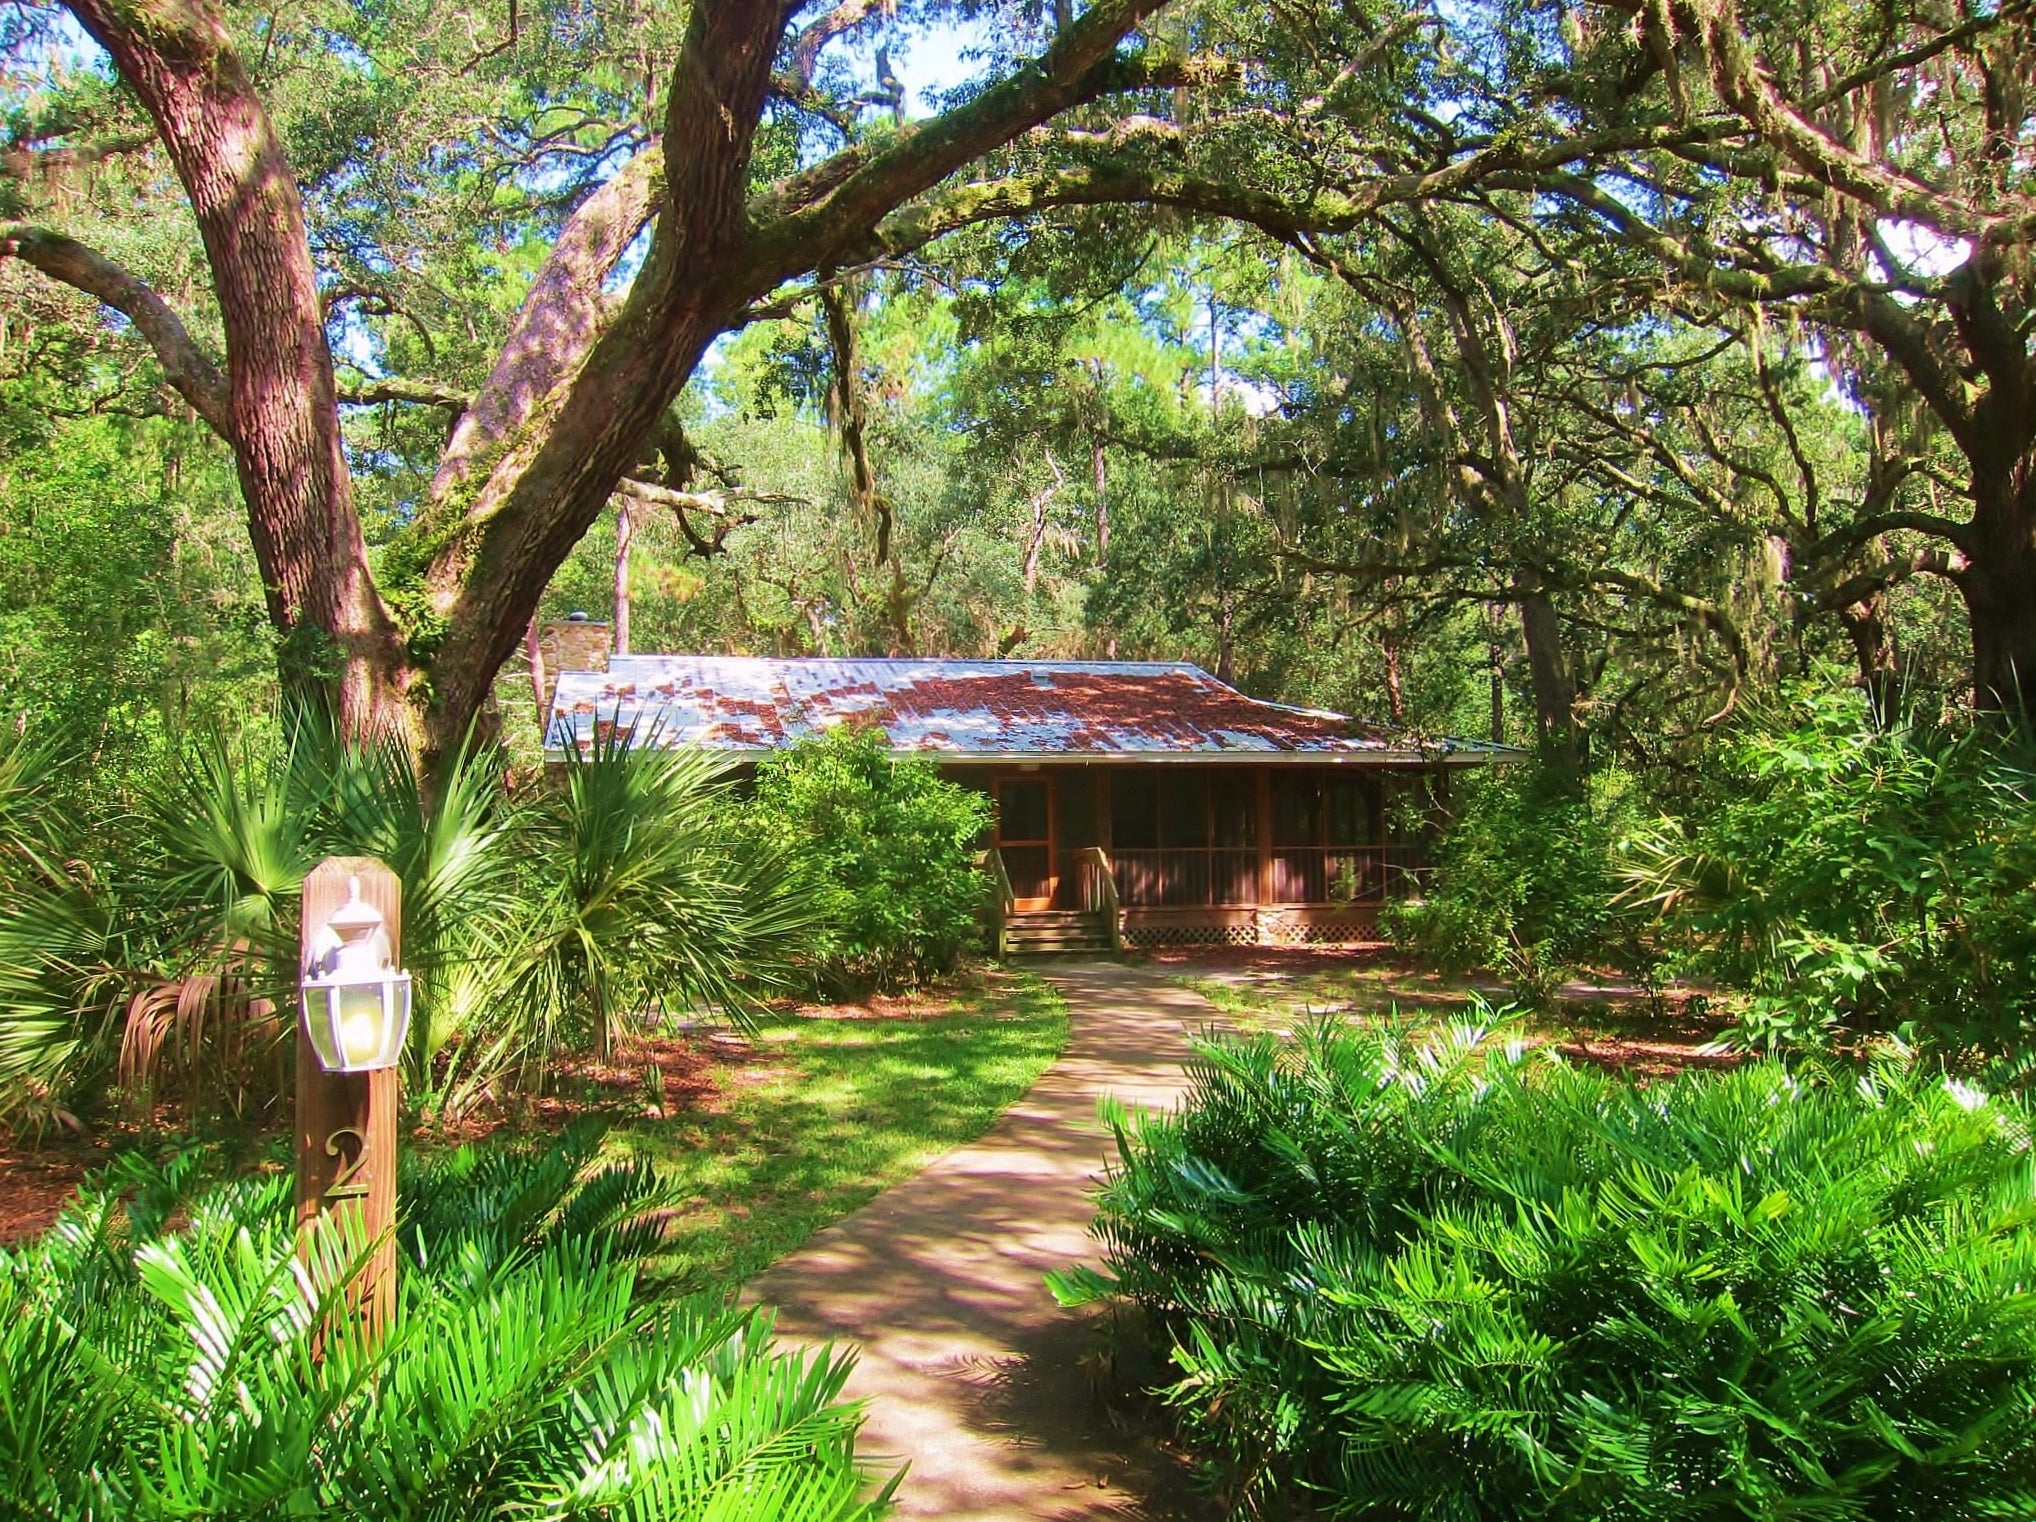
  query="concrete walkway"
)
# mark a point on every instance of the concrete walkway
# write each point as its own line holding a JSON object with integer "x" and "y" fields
{"x": 972, "y": 1373}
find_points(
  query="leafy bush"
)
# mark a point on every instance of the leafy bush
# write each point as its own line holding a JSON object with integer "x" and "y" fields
{"x": 1524, "y": 883}
{"x": 1460, "y": 1281}
{"x": 1857, "y": 879}
{"x": 200, "y": 1372}
{"x": 887, "y": 852}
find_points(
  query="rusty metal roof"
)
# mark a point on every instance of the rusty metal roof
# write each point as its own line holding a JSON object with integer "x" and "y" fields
{"x": 966, "y": 710}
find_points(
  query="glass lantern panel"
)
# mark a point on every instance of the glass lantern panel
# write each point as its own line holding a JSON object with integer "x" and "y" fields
{"x": 362, "y": 1022}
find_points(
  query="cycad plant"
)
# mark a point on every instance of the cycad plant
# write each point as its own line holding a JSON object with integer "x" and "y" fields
{"x": 1452, "y": 1279}
{"x": 205, "y": 1372}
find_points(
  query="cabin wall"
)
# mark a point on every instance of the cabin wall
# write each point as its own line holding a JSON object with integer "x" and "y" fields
{"x": 1245, "y": 855}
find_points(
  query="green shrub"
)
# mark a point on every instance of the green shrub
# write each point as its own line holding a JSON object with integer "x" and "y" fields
{"x": 887, "y": 852}
{"x": 155, "y": 1373}
{"x": 1523, "y": 884}
{"x": 1457, "y": 1281}
{"x": 1856, "y": 879}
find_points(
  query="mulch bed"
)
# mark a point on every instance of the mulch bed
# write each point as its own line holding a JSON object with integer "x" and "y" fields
{"x": 38, "y": 1176}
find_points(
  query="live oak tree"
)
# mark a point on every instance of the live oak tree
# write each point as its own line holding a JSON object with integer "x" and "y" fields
{"x": 1866, "y": 174}
{"x": 764, "y": 165}
{"x": 580, "y": 381}
{"x": 462, "y": 261}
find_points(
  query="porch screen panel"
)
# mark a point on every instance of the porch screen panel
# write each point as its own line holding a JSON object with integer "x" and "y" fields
{"x": 1074, "y": 831}
{"x": 1233, "y": 818}
{"x": 1024, "y": 825}
{"x": 1351, "y": 867}
{"x": 1134, "y": 837}
{"x": 1183, "y": 864}
{"x": 1134, "y": 811}
{"x": 1184, "y": 808}
{"x": 1077, "y": 810}
{"x": 1299, "y": 873}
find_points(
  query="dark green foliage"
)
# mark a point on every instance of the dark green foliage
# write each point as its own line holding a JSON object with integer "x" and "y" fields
{"x": 886, "y": 849}
{"x": 1857, "y": 878}
{"x": 647, "y": 894}
{"x": 1450, "y": 1281}
{"x": 531, "y": 926}
{"x": 1523, "y": 883}
{"x": 156, "y": 1373}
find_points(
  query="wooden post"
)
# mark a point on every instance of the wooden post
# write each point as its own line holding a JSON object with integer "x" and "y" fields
{"x": 346, "y": 1122}
{"x": 1259, "y": 918}
{"x": 625, "y": 532}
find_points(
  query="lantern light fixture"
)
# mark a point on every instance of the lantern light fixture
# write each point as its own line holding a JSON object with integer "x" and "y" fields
{"x": 356, "y": 1004}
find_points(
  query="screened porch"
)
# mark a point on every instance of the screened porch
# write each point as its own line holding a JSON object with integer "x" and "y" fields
{"x": 1182, "y": 837}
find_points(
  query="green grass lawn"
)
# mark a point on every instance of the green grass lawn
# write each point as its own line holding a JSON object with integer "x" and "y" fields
{"x": 822, "y": 1110}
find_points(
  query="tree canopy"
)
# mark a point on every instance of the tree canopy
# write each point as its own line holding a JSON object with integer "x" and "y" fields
{"x": 1605, "y": 362}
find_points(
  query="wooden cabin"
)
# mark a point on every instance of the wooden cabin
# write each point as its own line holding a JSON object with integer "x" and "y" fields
{"x": 1136, "y": 803}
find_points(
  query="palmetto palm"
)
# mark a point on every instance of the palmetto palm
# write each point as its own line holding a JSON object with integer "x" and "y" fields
{"x": 650, "y": 894}
{"x": 528, "y": 927}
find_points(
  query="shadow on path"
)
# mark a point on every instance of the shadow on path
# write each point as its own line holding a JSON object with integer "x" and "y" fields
{"x": 972, "y": 1373}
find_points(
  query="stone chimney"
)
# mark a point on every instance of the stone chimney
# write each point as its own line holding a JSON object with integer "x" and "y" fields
{"x": 572, "y": 644}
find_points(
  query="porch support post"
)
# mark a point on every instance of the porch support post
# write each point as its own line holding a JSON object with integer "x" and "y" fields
{"x": 1260, "y": 928}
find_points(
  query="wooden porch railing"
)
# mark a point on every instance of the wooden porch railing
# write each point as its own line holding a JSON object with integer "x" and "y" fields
{"x": 1098, "y": 891}
{"x": 1339, "y": 874}
{"x": 1214, "y": 876}
{"x": 1002, "y": 900}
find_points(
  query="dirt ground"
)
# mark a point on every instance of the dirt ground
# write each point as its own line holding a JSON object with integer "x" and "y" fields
{"x": 1605, "y": 1021}
{"x": 36, "y": 1177}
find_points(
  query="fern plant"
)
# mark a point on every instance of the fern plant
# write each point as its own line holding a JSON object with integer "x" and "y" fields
{"x": 1453, "y": 1279}
{"x": 205, "y": 1372}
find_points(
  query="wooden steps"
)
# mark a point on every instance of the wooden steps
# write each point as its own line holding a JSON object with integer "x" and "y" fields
{"x": 1033, "y": 932}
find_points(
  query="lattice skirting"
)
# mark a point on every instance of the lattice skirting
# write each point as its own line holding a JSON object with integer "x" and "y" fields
{"x": 1287, "y": 933}
{"x": 1273, "y": 928}
{"x": 1151, "y": 936}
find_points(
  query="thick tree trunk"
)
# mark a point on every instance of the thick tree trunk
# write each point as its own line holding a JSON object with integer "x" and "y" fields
{"x": 1999, "y": 586}
{"x": 1554, "y": 688}
{"x": 580, "y": 385}
{"x": 282, "y": 417}
{"x": 636, "y": 371}
{"x": 1874, "y": 654}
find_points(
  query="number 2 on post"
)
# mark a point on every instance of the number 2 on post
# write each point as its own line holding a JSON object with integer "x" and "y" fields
{"x": 348, "y": 1184}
